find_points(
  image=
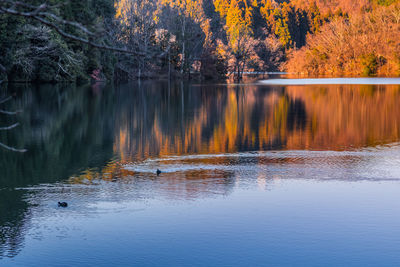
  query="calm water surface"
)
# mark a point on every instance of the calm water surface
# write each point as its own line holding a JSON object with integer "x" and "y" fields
{"x": 253, "y": 175}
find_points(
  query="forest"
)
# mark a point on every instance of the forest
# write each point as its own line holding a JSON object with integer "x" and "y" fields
{"x": 79, "y": 41}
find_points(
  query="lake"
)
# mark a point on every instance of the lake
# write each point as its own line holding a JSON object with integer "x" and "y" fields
{"x": 279, "y": 174}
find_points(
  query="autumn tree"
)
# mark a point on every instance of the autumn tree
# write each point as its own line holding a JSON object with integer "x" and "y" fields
{"x": 353, "y": 46}
{"x": 238, "y": 30}
{"x": 315, "y": 18}
{"x": 137, "y": 30}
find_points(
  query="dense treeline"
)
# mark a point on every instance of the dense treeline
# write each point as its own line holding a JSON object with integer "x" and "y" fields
{"x": 210, "y": 38}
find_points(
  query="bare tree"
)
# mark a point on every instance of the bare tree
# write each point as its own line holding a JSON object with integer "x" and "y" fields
{"x": 184, "y": 21}
{"x": 241, "y": 51}
{"x": 136, "y": 30}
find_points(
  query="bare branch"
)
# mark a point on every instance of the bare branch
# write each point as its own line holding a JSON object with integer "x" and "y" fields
{"x": 36, "y": 15}
{"x": 12, "y": 148}
{"x": 9, "y": 112}
{"x": 9, "y": 127}
{"x": 40, "y": 13}
{"x": 63, "y": 21}
{"x": 5, "y": 99}
{"x": 37, "y": 10}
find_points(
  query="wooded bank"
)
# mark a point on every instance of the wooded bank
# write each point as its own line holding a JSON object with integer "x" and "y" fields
{"x": 130, "y": 39}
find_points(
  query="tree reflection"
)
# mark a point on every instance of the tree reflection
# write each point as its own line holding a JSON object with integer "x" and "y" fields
{"x": 64, "y": 128}
{"x": 88, "y": 134}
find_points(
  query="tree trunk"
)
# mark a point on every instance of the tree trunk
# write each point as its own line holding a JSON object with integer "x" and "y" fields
{"x": 183, "y": 45}
{"x": 169, "y": 65}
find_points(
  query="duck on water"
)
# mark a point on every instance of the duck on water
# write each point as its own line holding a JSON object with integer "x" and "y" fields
{"x": 63, "y": 204}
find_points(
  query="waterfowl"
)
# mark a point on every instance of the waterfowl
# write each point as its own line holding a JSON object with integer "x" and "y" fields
{"x": 158, "y": 172}
{"x": 63, "y": 204}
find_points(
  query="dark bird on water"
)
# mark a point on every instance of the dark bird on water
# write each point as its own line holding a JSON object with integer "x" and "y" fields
{"x": 63, "y": 204}
{"x": 158, "y": 172}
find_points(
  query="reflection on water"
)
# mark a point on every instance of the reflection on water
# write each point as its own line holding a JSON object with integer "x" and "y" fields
{"x": 102, "y": 144}
{"x": 156, "y": 122}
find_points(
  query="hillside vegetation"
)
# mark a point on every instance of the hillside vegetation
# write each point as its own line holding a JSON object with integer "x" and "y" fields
{"x": 208, "y": 38}
{"x": 363, "y": 44}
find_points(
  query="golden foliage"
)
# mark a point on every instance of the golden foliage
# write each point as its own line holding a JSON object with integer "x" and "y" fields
{"x": 365, "y": 44}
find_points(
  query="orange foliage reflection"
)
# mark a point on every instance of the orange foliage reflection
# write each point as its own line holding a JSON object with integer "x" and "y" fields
{"x": 255, "y": 118}
{"x": 159, "y": 122}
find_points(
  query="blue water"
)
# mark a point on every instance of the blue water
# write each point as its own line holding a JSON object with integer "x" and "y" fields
{"x": 303, "y": 199}
{"x": 285, "y": 223}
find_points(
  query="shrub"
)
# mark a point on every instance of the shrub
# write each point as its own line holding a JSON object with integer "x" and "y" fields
{"x": 369, "y": 64}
